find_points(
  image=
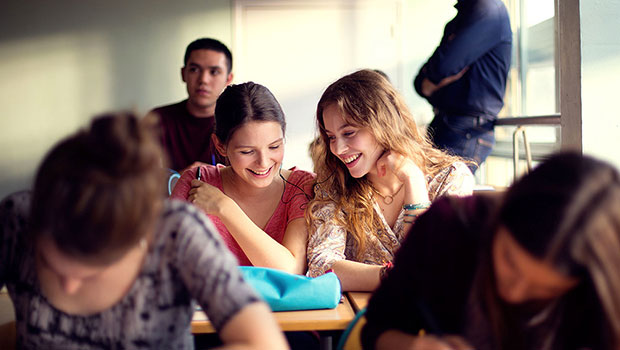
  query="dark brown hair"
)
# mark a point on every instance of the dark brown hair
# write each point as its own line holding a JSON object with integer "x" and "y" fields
{"x": 242, "y": 103}
{"x": 96, "y": 193}
{"x": 567, "y": 213}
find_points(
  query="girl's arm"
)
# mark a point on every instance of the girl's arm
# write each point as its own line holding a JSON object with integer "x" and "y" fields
{"x": 260, "y": 248}
{"x": 253, "y": 328}
{"x": 357, "y": 276}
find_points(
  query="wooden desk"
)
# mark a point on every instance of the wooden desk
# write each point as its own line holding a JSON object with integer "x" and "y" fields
{"x": 308, "y": 320}
{"x": 358, "y": 300}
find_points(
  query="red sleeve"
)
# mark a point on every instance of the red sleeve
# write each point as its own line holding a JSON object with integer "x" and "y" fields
{"x": 298, "y": 200}
{"x": 184, "y": 184}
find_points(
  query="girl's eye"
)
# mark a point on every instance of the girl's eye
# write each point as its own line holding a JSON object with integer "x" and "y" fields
{"x": 246, "y": 152}
{"x": 331, "y": 138}
{"x": 274, "y": 147}
{"x": 349, "y": 133}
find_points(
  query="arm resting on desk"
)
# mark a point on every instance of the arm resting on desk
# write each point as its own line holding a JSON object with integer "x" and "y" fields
{"x": 254, "y": 327}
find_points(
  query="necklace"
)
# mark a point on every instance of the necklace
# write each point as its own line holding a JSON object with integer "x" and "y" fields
{"x": 389, "y": 198}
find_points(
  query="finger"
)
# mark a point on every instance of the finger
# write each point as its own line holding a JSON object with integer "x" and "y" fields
{"x": 196, "y": 183}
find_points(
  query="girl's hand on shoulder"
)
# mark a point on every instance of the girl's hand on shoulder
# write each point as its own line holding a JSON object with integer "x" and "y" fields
{"x": 403, "y": 167}
{"x": 207, "y": 197}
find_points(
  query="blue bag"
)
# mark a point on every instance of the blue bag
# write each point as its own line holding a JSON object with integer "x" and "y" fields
{"x": 285, "y": 291}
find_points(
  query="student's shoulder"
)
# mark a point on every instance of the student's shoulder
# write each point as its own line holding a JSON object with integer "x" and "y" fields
{"x": 180, "y": 216}
{"x": 169, "y": 107}
{"x": 300, "y": 176}
{"x": 15, "y": 209}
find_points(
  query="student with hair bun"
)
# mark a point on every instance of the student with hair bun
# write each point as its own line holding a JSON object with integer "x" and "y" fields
{"x": 257, "y": 206}
{"x": 96, "y": 258}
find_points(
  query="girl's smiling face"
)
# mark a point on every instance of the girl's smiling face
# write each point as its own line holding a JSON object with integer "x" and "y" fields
{"x": 356, "y": 147}
{"x": 255, "y": 152}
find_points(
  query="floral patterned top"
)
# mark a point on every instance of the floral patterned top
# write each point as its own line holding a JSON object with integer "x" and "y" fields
{"x": 329, "y": 242}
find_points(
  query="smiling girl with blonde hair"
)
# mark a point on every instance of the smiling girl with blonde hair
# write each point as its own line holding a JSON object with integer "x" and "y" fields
{"x": 375, "y": 174}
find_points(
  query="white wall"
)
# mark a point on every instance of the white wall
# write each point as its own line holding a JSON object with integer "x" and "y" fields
{"x": 63, "y": 61}
{"x": 600, "y": 54}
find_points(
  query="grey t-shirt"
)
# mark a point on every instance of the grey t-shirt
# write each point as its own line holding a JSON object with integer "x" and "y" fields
{"x": 186, "y": 261}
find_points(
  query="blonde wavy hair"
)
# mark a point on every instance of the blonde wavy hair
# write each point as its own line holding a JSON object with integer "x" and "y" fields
{"x": 366, "y": 100}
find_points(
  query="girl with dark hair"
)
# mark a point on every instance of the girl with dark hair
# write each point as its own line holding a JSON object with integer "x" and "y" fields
{"x": 96, "y": 258}
{"x": 257, "y": 207}
{"x": 534, "y": 268}
{"x": 375, "y": 174}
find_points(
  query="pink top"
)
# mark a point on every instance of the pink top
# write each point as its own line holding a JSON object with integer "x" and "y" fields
{"x": 291, "y": 206}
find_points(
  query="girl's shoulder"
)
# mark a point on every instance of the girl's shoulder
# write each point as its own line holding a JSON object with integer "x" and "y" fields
{"x": 455, "y": 179}
{"x": 300, "y": 176}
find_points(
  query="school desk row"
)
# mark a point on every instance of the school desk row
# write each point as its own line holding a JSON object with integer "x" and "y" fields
{"x": 307, "y": 320}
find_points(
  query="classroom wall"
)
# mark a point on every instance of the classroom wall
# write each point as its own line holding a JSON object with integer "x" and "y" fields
{"x": 600, "y": 54}
{"x": 63, "y": 61}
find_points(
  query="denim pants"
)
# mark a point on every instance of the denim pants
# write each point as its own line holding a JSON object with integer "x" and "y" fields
{"x": 469, "y": 137}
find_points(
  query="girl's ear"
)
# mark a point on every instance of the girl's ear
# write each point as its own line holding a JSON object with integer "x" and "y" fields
{"x": 219, "y": 146}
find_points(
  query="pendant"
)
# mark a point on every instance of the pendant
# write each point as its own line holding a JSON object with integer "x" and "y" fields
{"x": 388, "y": 200}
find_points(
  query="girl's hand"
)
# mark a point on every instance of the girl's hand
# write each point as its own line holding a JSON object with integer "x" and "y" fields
{"x": 206, "y": 197}
{"x": 404, "y": 168}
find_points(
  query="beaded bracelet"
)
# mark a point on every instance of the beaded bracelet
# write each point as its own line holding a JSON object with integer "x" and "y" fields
{"x": 385, "y": 269}
{"x": 417, "y": 206}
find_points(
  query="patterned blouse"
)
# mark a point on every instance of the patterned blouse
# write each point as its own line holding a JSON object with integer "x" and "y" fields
{"x": 186, "y": 262}
{"x": 329, "y": 242}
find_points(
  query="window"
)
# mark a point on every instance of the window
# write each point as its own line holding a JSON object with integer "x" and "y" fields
{"x": 532, "y": 89}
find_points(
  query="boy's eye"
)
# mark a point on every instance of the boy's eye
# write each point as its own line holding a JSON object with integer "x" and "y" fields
{"x": 215, "y": 71}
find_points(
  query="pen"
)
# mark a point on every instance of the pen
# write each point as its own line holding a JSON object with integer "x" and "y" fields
{"x": 198, "y": 174}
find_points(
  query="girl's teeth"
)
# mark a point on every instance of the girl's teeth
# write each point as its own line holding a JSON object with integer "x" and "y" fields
{"x": 260, "y": 172}
{"x": 350, "y": 159}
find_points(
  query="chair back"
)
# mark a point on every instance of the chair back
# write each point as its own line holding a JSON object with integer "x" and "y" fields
{"x": 351, "y": 338}
{"x": 173, "y": 177}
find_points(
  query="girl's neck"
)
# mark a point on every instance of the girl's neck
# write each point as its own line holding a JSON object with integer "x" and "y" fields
{"x": 387, "y": 184}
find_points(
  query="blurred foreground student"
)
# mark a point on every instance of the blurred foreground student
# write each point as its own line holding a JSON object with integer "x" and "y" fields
{"x": 534, "y": 268}
{"x": 375, "y": 174}
{"x": 96, "y": 259}
{"x": 257, "y": 206}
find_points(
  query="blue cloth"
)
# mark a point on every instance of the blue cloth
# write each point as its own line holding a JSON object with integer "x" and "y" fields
{"x": 479, "y": 37}
{"x": 285, "y": 291}
{"x": 469, "y": 137}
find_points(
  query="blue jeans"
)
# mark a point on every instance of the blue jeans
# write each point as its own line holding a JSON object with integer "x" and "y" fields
{"x": 469, "y": 137}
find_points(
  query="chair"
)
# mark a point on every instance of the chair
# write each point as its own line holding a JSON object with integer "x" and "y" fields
{"x": 351, "y": 338}
{"x": 173, "y": 177}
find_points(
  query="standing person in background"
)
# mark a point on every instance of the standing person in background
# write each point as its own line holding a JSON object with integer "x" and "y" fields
{"x": 535, "y": 267}
{"x": 375, "y": 174}
{"x": 465, "y": 79}
{"x": 186, "y": 127}
{"x": 257, "y": 206}
{"x": 96, "y": 258}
